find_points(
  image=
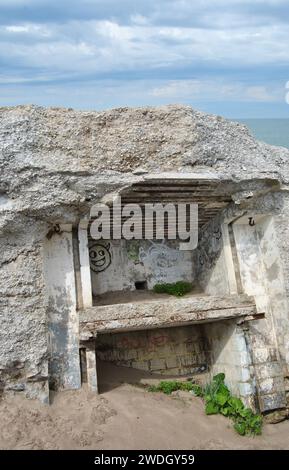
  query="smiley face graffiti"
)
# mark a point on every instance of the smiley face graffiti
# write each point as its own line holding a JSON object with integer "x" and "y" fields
{"x": 100, "y": 257}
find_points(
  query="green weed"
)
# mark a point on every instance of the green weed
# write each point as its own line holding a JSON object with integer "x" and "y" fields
{"x": 178, "y": 288}
{"x": 169, "y": 386}
{"x": 218, "y": 399}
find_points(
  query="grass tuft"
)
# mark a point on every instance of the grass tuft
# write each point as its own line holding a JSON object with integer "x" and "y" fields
{"x": 178, "y": 288}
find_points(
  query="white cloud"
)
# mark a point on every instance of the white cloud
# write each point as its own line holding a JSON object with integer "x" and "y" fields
{"x": 31, "y": 29}
{"x": 160, "y": 39}
{"x": 215, "y": 90}
{"x": 18, "y": 29}
{"x": 95, "y": 46}
{"x": 260, "y": 93}
{"x": 139, "y": 19}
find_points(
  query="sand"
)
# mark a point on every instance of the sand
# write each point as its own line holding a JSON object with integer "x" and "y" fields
{"x": 124, "y": 416}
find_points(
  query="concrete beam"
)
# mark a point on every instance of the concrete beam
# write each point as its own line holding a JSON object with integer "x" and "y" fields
{"x": 229, "y": 260}
{"x": 62, "y": 315}
{"x": 91, "y": 369}
{"x": 85, "y": 276}
{"x": 163, "y": 313}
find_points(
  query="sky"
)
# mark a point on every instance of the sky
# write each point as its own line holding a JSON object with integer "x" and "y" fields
{"x": 227, "y": 57}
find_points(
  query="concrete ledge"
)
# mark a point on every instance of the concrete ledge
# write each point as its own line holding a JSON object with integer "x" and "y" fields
{"x": 160, "y": 314}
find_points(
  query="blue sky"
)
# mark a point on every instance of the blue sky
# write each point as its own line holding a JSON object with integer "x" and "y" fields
{"x": 228, "y": 57}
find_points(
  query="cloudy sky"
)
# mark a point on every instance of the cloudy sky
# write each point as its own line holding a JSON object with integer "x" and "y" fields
{"x": 228, "y": 57}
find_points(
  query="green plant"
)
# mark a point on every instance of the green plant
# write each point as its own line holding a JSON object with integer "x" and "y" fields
{"x": 169, "y": 386}
{"x": 178, "y": 288}
{"x": 218, "y": 399}
{"x": 197, "y": 390}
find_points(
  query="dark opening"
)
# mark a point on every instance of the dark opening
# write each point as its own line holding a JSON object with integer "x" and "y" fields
{"x": 83, "y": 368}
{"x": 141, "y": 285}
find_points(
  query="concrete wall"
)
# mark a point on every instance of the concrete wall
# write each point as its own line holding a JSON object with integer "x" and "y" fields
{"x": 282, "y": 242}
{"x": 64, "y": 369}
{"x": 275, "y": 287}
{"x": 23, "y": 327}
{"x": 118, "y": 264}
{"x": 229, "y": 354}
{"x": 210, "y": 260}
{"x": 226, "y": 347}
{"x": 259, "y": 264}
{"x": 247, "y": 259}
{"x": 279, "y": 278}
{"x": 180, "y": 350}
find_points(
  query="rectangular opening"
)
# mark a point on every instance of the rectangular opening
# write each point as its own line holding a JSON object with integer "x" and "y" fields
{"x": 125, "y": 271}
{"x": 83, "y": 365}
{"x": 141, "y": 285}
{"x": 166, "y": 351}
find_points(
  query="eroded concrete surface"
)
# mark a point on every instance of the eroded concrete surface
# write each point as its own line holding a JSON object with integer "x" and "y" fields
{"x": 56, "y": 163}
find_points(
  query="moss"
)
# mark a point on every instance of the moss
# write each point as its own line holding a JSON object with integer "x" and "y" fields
{"x": 169, "y": 386}
{"x": 178, "y": 288}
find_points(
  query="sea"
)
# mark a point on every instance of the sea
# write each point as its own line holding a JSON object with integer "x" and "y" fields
{"x": 271, "y": 131}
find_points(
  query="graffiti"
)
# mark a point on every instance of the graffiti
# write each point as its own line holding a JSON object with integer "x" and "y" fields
{"x": 218, "y": 234}
{"x": 203, "y": 257}
{"x": 100, "y": 257}
{"x": 133, "y": 251}
{"x": 160, "y": 254}
{"x": 159, "y": 340}
{"x": 201, "y": 260}
{"x": 148, "y": 344}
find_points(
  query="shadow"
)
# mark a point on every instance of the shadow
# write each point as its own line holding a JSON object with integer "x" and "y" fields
{"x": 111, "y": 376}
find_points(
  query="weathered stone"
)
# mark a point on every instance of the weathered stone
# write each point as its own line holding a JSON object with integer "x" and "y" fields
{"x": 57, "y": 163}
{"x": 276, "y": 416}
{"x": 162, "y": 313}
{"x": 272, "y": 401}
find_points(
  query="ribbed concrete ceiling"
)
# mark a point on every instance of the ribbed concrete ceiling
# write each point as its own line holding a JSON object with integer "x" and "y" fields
{"x": 210, "y": 195}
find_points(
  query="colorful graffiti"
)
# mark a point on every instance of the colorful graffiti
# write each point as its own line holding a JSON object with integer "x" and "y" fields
{"x": 150, "y": 343}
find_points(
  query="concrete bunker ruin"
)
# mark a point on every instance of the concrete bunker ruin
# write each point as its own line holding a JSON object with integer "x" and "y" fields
{"x": 76, "y": 299}
{"x": 120, "y": 318}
